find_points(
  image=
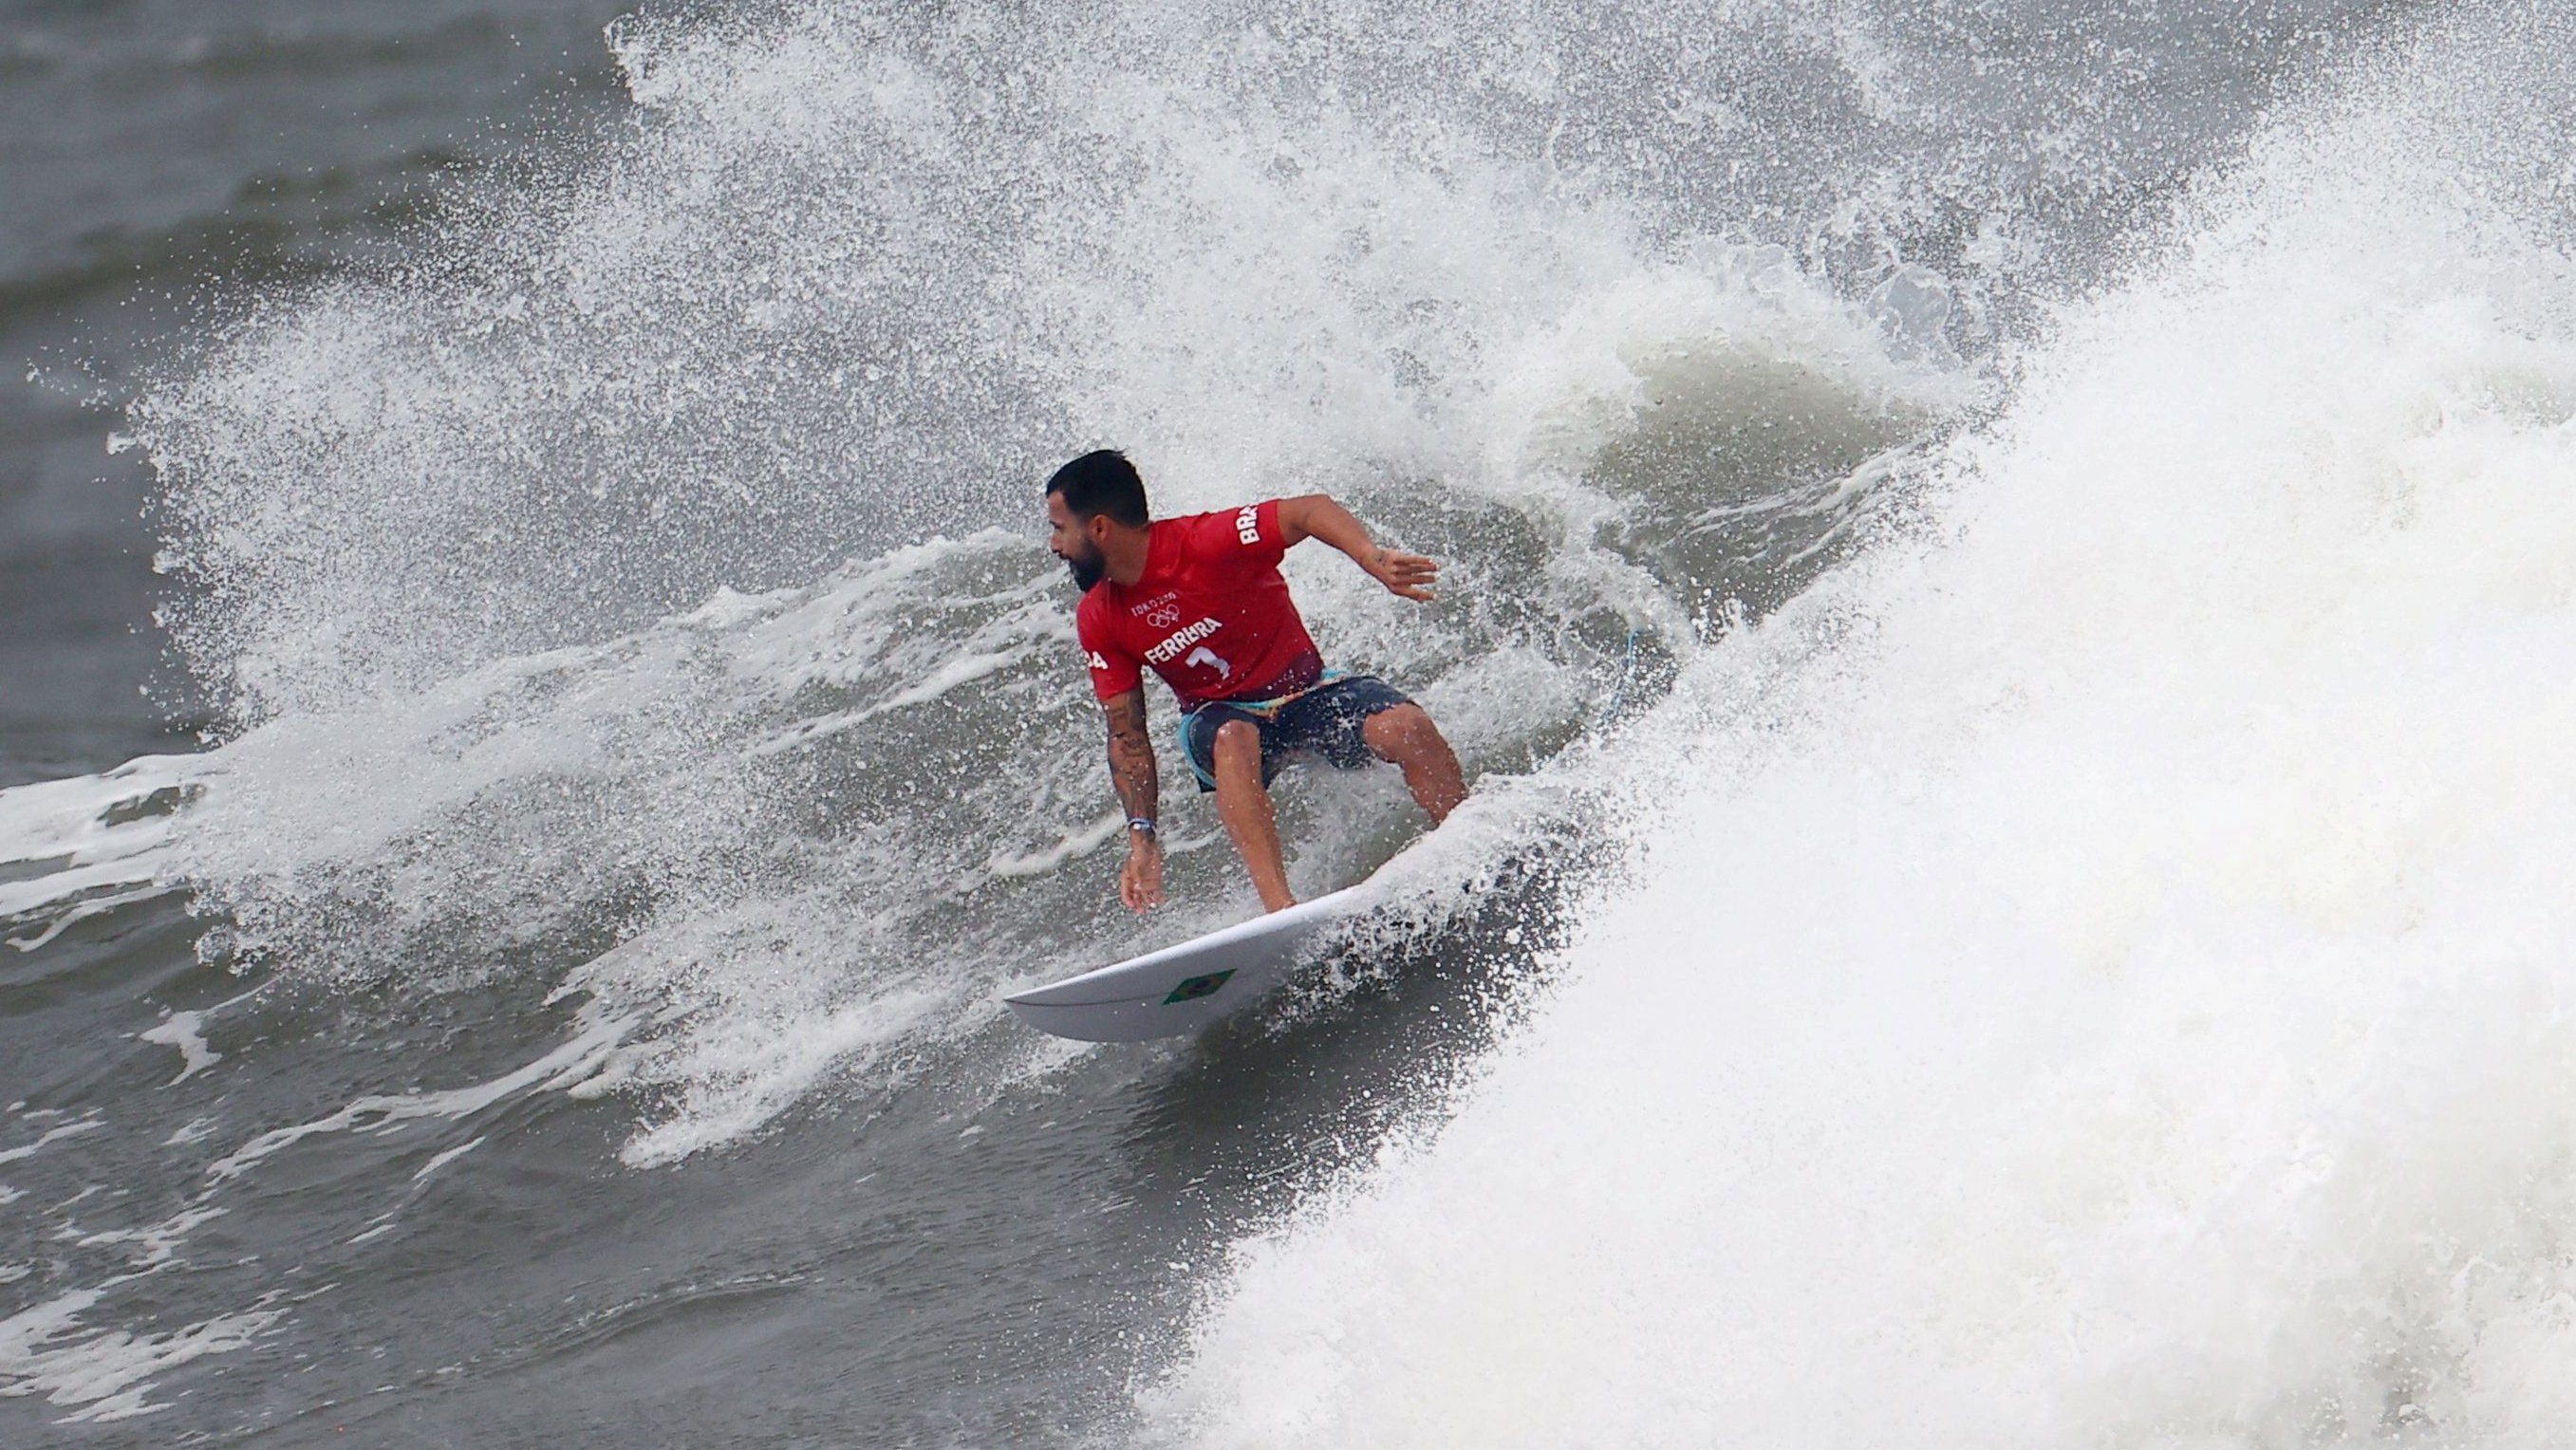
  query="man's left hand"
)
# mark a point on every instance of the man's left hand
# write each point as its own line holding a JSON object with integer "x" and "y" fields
{"x": 1408, "y": 575}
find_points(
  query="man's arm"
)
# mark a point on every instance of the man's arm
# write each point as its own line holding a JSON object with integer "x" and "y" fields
{"x": 1132, "y": 773}
{"x": 1316, "y": 516}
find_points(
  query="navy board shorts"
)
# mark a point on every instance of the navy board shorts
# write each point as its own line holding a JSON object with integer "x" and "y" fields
{"x": 1324, "y": 721}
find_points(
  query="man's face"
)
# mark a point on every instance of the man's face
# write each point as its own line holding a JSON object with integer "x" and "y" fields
{"x": 1070, "y": 541}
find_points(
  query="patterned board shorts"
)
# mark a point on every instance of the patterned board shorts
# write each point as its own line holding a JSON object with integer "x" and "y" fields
{"x": 1325, "y": 721}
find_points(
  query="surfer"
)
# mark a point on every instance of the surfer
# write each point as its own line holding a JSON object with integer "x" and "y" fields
{"x": 1200, "y": 599}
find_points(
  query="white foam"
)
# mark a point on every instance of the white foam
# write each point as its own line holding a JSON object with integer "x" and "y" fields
{"x": 158, "y": 1242}
{"x": 106, "y": 1376}
{"x": 183, "y": 1030}
{"x": 192, "y": 1131}
{"x": 445, "y": 1158}
{"x": 2106, "y": 979}
{"x": 92, "y": 843}
{"x": 53, "y": 1135}
{"x": 759, "y": 1033}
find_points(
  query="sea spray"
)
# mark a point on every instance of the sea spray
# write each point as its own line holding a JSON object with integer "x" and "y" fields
{"x": 2104, "y": 980}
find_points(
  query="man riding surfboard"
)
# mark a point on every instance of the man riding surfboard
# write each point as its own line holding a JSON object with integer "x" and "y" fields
{"x": 1200, "y": 599}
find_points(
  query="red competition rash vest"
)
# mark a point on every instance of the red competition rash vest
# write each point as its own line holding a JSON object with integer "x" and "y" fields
{"x": 1210, "y": 614}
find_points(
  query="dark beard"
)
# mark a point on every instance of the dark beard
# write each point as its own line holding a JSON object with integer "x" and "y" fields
{"x": 1087, "y": 569}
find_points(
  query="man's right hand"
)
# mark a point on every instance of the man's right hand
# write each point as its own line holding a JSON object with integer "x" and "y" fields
{"x": 1140, "y": 884}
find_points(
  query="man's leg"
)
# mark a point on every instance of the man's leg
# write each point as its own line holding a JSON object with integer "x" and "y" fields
{"x": 1405, "y": 736}
{"x": 1243, "y": 803}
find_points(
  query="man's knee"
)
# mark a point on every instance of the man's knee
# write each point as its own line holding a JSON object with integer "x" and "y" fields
{"x": 1235, "y": 739}
{"x": 1399, "y": 731}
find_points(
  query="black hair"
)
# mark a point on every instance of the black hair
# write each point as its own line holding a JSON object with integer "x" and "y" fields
{"x": 1102, "y": 482}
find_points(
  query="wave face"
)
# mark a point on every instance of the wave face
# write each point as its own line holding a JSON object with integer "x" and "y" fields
{"x": 669, "y": 538}
{"x": 2105, "y": 993}
{"x": 1988, "y": 611}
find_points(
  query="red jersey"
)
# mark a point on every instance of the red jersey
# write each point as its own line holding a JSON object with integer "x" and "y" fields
{"x": 1210, "y": 614}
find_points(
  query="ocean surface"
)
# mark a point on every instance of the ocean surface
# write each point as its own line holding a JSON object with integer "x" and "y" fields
{"x": 2011, "y": 612}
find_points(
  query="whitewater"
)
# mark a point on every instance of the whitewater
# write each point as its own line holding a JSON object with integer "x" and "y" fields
{"x": 2013, "y": 589}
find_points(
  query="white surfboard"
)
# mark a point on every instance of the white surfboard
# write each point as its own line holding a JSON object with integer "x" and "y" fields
{"x": 1183, "y": 988}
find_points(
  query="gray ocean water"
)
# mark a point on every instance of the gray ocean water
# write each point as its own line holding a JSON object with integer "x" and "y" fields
{"x": 2007, "y": 593}
{"x": 165, "y": 161}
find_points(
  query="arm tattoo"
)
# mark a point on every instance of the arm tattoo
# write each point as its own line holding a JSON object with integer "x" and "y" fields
{"x": 1131, "y": 755}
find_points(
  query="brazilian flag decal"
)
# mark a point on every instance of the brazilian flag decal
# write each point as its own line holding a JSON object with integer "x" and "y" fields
{"x": 1196, "y": 987}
